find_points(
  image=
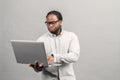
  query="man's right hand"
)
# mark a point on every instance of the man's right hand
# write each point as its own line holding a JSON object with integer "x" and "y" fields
{"x": 37, "y": 66}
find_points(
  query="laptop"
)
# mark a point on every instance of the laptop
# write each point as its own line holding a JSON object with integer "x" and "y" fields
{"x": 26, "y": 52}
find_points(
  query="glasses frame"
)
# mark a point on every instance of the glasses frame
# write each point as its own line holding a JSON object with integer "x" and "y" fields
{"x": 51, "y": 23}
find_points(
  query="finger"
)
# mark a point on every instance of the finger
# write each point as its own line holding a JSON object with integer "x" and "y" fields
{"x": 36, "y": 63}
{"x": 31, "y": 65}
{"x": 40, "y": 65}
{"x": 51, "y": 59}
{"x": 48, "y": 57}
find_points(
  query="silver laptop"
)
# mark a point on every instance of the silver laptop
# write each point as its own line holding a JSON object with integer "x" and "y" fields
{"x": 27, "y": 52}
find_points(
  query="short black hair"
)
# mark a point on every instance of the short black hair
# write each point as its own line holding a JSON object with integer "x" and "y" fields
{"x": 57, "y": 13}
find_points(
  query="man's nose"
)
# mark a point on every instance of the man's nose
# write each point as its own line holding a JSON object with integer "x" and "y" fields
{"x": 50, "y": 25}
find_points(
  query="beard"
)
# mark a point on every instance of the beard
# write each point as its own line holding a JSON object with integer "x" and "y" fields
{"x": 56, "y": 30}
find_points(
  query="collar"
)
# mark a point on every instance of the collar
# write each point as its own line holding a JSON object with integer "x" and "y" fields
{"x": 53, "y": 35}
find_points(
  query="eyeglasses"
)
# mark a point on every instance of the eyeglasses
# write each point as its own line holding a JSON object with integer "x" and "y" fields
{"x": 51, "y": 23}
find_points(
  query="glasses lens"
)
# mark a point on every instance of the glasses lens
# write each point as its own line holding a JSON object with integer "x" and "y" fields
{"x": 52, "y": 22}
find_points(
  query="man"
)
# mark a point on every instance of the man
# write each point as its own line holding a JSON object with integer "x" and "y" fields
{"x": 61, "y": 47}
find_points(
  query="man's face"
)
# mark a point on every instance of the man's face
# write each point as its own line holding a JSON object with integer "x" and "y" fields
{"x": 53, "y": 23}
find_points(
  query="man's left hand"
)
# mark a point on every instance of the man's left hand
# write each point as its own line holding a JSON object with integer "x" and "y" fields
{"x": 50, "y": 58}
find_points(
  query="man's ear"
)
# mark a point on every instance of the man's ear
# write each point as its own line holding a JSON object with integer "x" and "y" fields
{"x": 60, "y": 22}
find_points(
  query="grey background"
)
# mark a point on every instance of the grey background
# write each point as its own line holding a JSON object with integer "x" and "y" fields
{"x": 96, "y": 22}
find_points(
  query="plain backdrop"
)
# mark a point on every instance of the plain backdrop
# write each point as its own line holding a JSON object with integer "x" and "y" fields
{"x": 96, "y": 23}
